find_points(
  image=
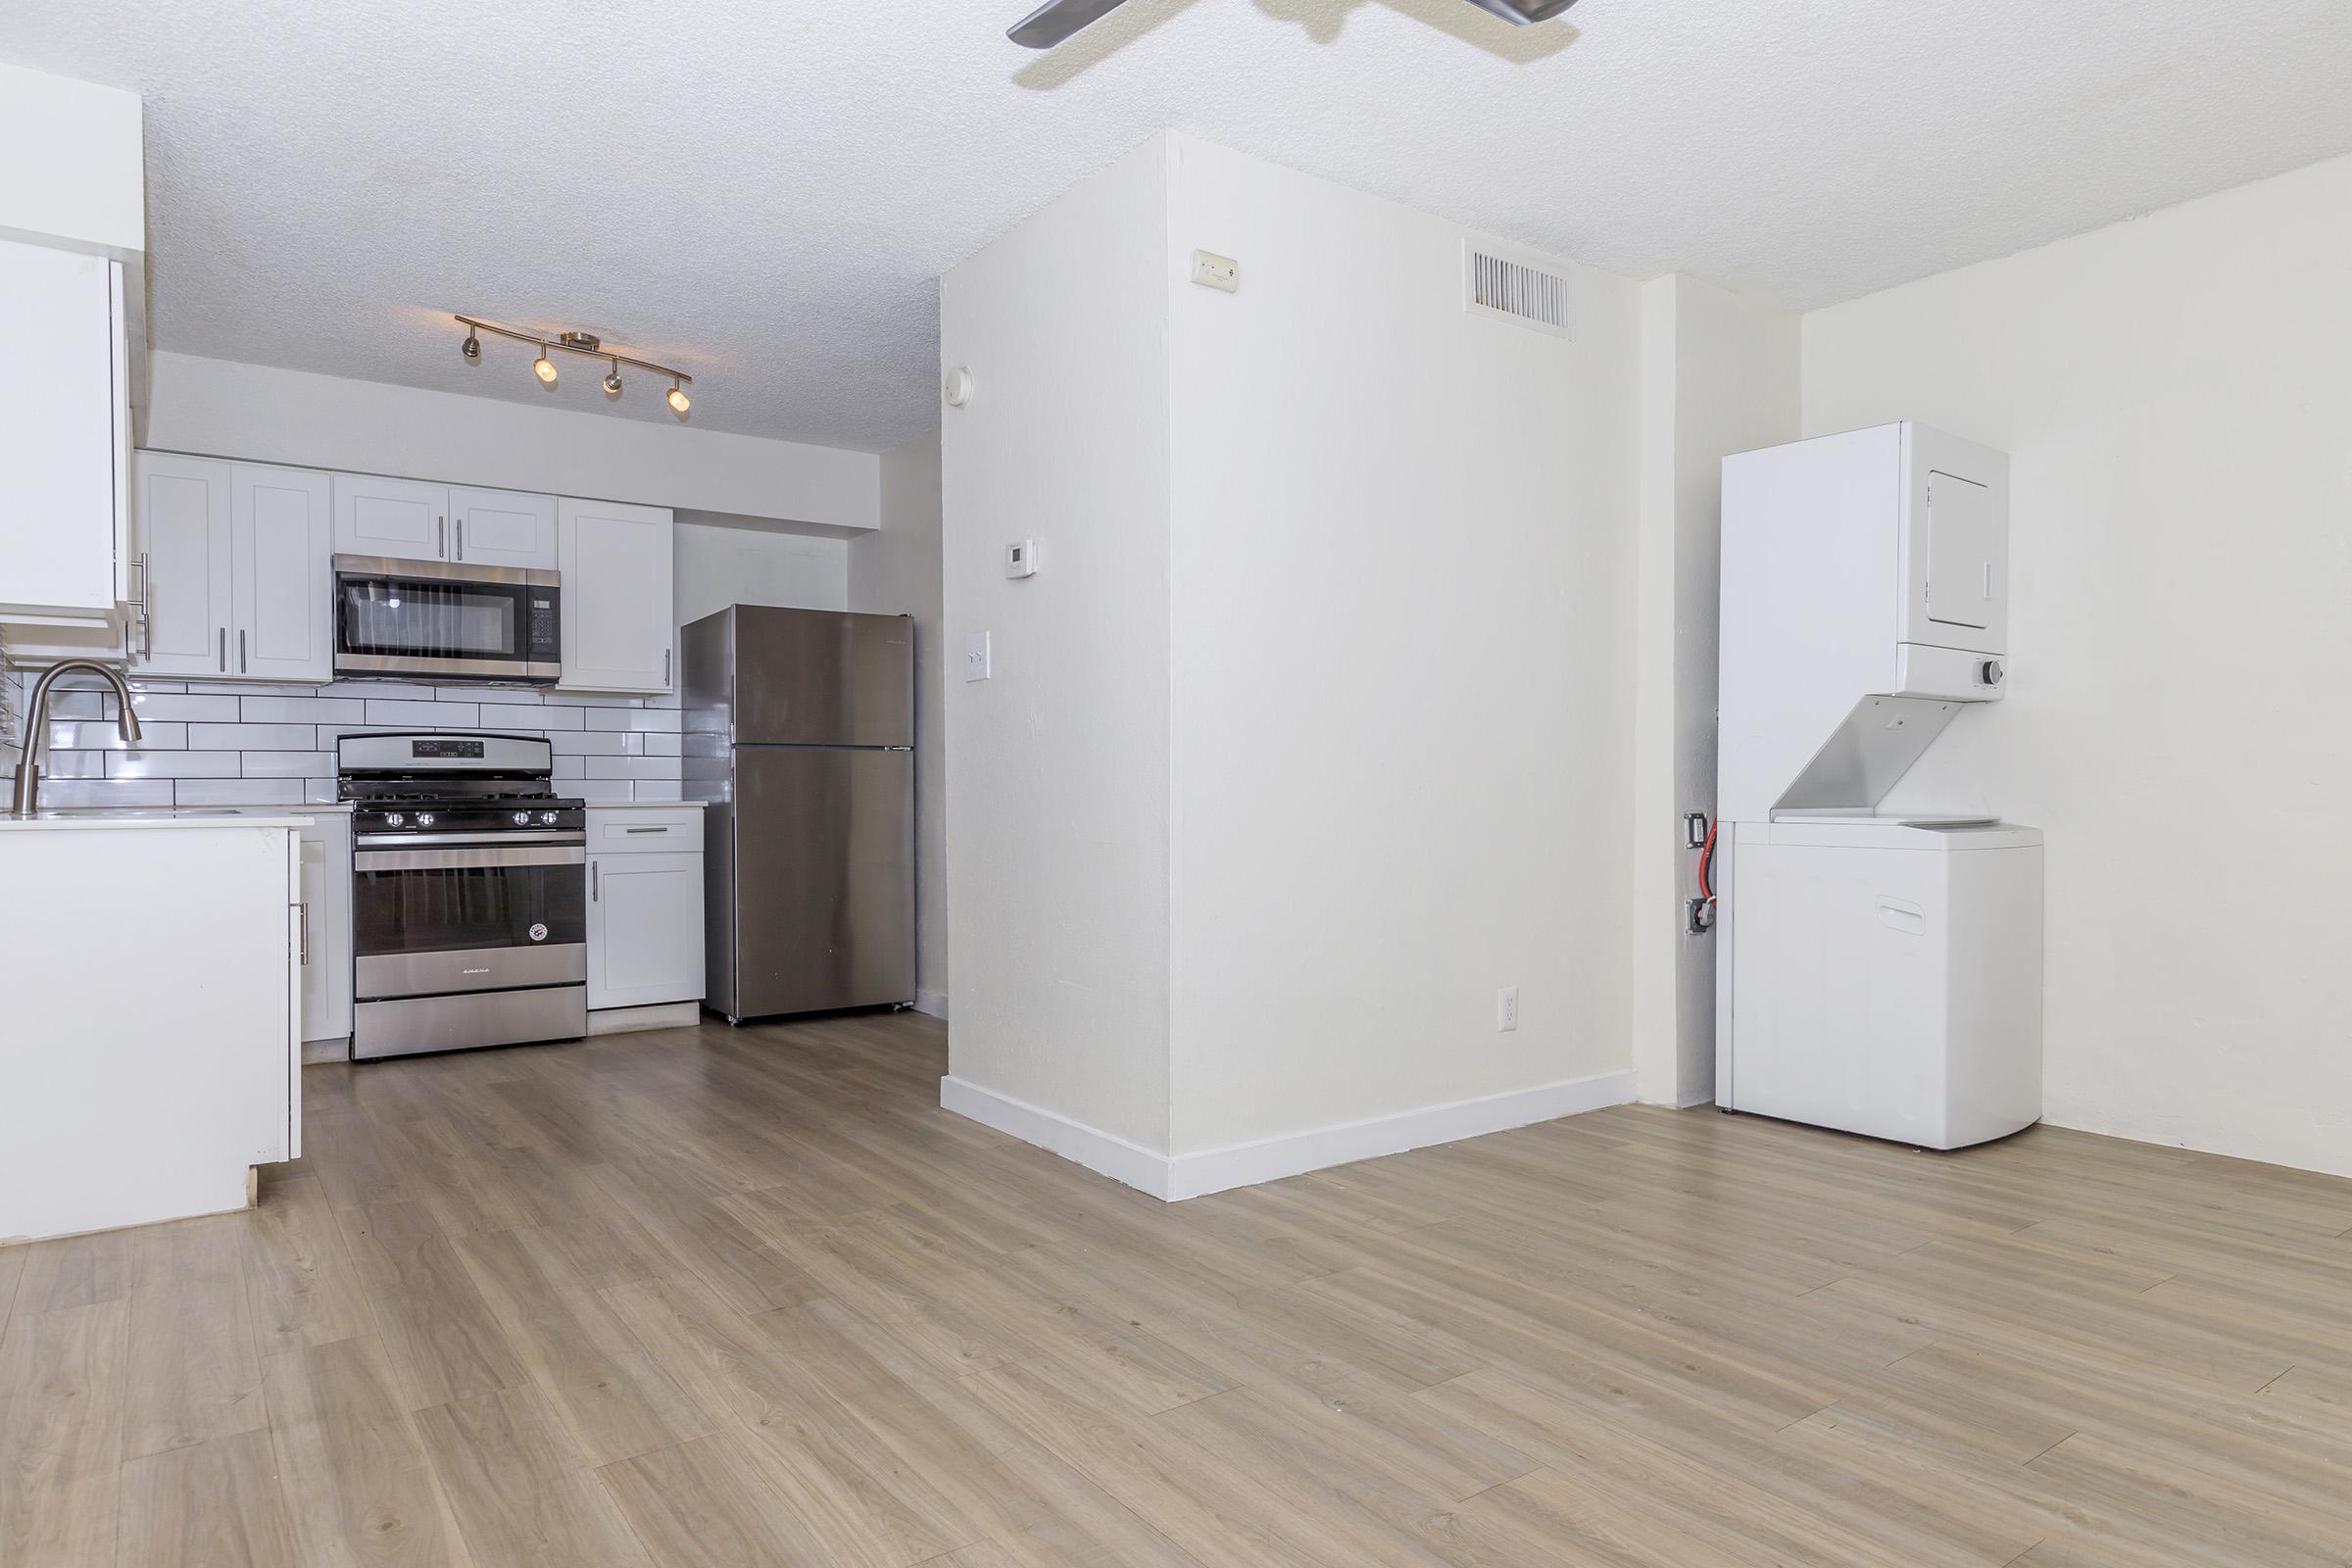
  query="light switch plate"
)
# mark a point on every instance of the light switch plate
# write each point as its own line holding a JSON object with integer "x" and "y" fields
{"x": 975, "y": 656}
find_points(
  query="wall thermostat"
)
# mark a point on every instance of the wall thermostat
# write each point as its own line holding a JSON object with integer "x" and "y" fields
{"x": 1020, "y": 560}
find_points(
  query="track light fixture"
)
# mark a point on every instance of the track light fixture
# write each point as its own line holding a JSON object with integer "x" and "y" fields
{"x": 587, "y": 343}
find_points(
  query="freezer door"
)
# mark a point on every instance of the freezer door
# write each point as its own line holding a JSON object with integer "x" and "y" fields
{"x": 824, "y": 849}
{"x": 822, "y": 677}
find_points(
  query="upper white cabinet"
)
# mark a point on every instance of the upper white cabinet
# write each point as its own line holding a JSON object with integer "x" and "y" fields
{"x": 183, "y": 509}
{"x": 281, "y": 574}
{"x": 616, "y": 564}
{"x": 411, "y": 520}
{"x": 65, "y": 421}
{"x": 501, "y": 529}
{"x": 239, "y": 579}
{"x": 398, "y": 517}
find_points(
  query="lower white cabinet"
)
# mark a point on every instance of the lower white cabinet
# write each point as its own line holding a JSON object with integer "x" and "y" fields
{"x": 325, "y": 929}
{"x": 645, "y": 907}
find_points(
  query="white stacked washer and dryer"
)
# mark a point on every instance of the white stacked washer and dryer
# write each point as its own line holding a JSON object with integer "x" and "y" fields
{"x": 1880, "y": 972}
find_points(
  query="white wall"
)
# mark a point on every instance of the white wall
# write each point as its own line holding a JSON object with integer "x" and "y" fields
{"x": 1057, "y": 768}
{"x": 2174, "y": 397}
{"x": 1402, "y": 641}
{"x": 1719, "y": 374}
{"x": 223, "y": 409}
{"x": 894, "y": 571}
{"x": 719, "y": 565}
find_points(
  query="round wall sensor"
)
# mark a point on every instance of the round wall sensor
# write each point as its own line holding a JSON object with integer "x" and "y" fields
{"x": 958, "y": 387}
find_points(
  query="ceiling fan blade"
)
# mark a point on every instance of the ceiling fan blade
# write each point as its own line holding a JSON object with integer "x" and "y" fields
{"x": 1055, "y": 20}
{"x": 1519, "y": 12}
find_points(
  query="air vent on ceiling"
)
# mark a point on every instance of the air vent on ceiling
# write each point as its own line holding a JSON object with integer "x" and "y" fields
{"x": 1518, "y": 290}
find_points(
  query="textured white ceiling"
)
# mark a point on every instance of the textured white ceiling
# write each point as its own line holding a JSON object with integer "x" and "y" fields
{"x": 764, "y": 190}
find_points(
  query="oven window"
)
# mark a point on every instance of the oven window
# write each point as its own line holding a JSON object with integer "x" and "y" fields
{"x": 455, "y": 909}
{"x": 431, "y": 619}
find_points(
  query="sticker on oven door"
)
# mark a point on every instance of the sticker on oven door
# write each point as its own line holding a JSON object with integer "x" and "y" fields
{"x": 538, "y": 933}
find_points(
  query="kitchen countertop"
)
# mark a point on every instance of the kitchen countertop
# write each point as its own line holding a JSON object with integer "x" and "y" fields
{"x": 158, "y": 816}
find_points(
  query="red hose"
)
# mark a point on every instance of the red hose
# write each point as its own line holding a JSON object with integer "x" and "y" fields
{"x": 1706, "y": 865}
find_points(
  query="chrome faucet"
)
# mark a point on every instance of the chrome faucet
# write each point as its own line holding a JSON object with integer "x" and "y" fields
{"x": 36, "y": 727}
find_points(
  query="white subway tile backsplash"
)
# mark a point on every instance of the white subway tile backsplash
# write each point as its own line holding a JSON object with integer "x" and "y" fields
{"x": 641, "y": 719}
{"x": 646, "y": 767}
{"x": 589, "y": 743}
{"x": 151, "y": 706}
{"x": 422, "y": 716}
{"x": 171, "y": 764}
{"x": 288, "y": 765}
{"x": 118, "y": 792}
{"x": 89, "y": 735}
{"x": 507, "y": 715}
{"x": 237, "y": 792}
{"x": 302, "y": 710}
{"x": 250, "y": 737}
{"x": 218, "y": 743}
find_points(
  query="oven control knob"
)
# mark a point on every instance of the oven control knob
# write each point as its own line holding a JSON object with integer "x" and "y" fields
{"x": 548, "y": 817}
{"x": 394, "y": 819}
{"x": 424, "y": 820}
{"x": 522, "y": 818}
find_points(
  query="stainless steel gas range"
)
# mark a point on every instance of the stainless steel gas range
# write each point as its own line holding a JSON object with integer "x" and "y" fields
{"x": 469, "y": 893}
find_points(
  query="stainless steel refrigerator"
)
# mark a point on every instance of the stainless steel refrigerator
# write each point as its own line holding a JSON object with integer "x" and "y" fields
{"x": 800, "y": 733}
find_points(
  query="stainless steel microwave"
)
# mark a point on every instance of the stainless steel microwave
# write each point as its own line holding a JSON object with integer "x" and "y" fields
{"x": 446, "y": 621}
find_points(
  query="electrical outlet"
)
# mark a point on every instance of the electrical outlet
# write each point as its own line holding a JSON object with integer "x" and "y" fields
{"x": 976, "y": 660}
{"x": 1506, "y": 1010}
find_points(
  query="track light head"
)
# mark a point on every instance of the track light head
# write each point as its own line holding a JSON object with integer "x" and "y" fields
{"x": 544, "y": 368}
{"x": 677, "y": 398}
{"x": 471, "y": 348}
{"x": 613, "y": 381}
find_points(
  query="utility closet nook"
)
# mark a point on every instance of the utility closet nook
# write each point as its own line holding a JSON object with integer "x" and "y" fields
{"x": 1174, "y": 784}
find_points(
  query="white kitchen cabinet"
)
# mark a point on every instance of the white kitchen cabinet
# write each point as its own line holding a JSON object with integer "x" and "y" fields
{"x": 325, "y": 936}
{"x": 645, "y": 907}
{"x": 619, "y": 634}
{"x": 65, "y": 424}
{"x": 174, "y": 1063}
{"x": 281, "y": 574}
{"x": 501, "y": 529}
{"x": 239, "y": 571}
{"x": 181, "y": 629}
{"x": 397, "y": 517}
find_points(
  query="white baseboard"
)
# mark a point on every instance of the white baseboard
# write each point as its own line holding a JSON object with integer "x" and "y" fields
{"x": 1216, "y": 1171}
{"x": 317, "y": 1051}
{"x": 1114, "y": 1156}
{"x": 934, "y": 1003}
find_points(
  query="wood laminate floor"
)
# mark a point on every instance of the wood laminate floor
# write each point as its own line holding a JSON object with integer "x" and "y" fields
{"x": 751, "y": 1298}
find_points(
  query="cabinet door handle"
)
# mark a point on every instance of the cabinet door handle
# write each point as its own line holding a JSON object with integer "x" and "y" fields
{"x": 224, "y": 650}
{"x": 595, "y": 882}
{"x": 138, "y": 563}
{"x": 242, "y": 666}
{"x": 666, "y": 667}
{"x": 304, "y": 908}
{"x": 461, "y": 538}
{"x": 645, "y": 830}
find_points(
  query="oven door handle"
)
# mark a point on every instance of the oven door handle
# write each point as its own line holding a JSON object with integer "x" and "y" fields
{"x": 418, "y": 841}
{"x": 466, "y": 860}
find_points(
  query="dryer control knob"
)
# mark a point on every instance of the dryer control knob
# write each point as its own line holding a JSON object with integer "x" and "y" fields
{"x": 1990, "y": 673}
